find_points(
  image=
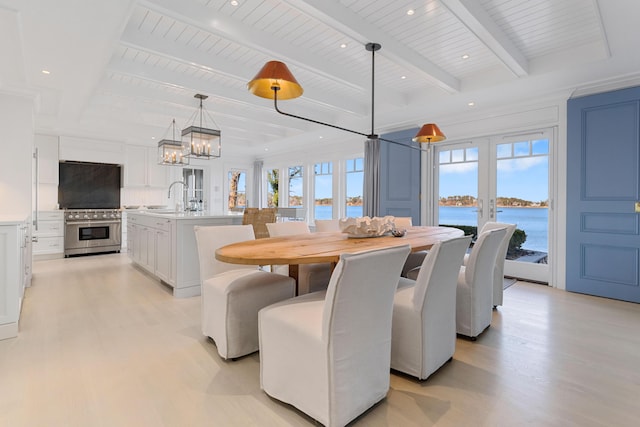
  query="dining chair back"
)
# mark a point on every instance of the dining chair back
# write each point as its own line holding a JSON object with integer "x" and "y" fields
{"x": 208, "y": 240}
{"x": 402, "y": 222}
{"x": 424, "y": 315}
{"x": 474, "y": 293}
{"x": 258, "y": 218}
{"x": 328, "y": 354}
{"x": 414, "y": 260}
{"x": 498, "y": 272}
{"x": 287, "y": 228}
{"x": 324, "y": 225}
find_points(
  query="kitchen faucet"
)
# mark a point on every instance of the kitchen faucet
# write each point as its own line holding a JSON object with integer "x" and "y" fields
{"x": 184, "y": 193}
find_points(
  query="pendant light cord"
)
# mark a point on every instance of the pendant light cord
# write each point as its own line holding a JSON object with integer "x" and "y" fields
{"x": 373, "y": 89}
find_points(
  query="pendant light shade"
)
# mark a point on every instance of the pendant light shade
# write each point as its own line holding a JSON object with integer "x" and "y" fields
{"x": 429, "y": 133}
{"x": 275, "y": 76}
{"x": 200, "y": 139}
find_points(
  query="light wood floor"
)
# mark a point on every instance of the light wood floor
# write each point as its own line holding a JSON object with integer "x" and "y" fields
{"x": 102, "y": 344}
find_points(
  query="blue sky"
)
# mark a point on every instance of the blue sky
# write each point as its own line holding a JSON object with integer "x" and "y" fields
{"x": 526, "y": 178}
{"x": 522, "y": 172}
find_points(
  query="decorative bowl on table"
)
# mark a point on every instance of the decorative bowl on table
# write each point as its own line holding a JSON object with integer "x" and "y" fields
{"x": 363, "y": 227}
{"x": 399, "y": 232}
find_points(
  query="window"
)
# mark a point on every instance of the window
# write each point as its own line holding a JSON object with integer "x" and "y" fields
{"x": 273, "y": 181}
{"x": 296, "y": 193}
{"x": 354, "y": 186}
{"x": 323, "y": 187}
{"x": 458, "y": 186}
{"x": 522, "y": 189}
{"x": 237, "y": 190}
{"x": 194, "y": 178}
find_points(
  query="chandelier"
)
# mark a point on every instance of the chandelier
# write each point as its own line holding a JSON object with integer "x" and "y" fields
{"x": 201, "y": 140}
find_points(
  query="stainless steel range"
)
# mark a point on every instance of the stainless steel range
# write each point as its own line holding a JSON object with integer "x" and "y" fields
{"x": 92, "y": 231}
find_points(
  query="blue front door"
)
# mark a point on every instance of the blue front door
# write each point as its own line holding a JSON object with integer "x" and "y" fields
{"x": 603, "y": 190}
{"x": 400, "y": 177}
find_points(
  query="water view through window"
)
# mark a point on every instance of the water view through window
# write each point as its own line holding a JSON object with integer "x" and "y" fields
{"x": 522, "y": 182}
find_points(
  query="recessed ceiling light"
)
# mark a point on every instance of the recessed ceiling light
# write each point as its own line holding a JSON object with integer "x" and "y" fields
{"x": 465, "y": 56}
{"x": 266, "y": 149}
{"x": 153, "y": 137}
{"x": 321, "y": 137}
{"x": 471, "y": 104}
{"x": 46, "y": 72}
{"x": 410, "y": 12}
{"x": 343, "y": 45}
{"x": 403, "y": 77}
{"x": 234, "y": 3}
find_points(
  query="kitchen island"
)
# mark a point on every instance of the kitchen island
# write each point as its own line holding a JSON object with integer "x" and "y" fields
{"x": 164, "y": 244}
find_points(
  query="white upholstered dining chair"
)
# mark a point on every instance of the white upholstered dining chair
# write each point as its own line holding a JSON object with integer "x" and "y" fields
{"x": 328, "y": 353}
{"x": 414, "y": 260}
{"x": 232, "y": 294}
{"x": 323, "y": 225}
{"x": 474, "y": 293}
{"x": 423, "y": 334}
{"x": 498, "y": 272}
{"x": 311, "y": 277}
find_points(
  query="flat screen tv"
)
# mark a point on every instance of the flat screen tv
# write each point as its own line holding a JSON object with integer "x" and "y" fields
{"x": 85, "y": 185}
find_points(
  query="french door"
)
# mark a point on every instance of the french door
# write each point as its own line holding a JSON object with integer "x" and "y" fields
{"x": 503, "y": 179}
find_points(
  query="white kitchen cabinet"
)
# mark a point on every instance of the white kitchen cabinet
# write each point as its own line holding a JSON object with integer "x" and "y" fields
{"x": 15, "y": 274}
{"x": 48, "y": 242}
{"x": 163, "y": 254}
{"x": 48, "y": 160}
{"x": 142, "y": 169}
{"x": 165, "y": 246}
{"x": 150, "y": 239}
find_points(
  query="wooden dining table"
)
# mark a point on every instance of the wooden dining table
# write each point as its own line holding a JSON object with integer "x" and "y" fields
{"x": 325, "y": 247}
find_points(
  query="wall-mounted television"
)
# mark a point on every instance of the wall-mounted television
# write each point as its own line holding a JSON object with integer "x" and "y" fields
{"x": 86, "y": 185}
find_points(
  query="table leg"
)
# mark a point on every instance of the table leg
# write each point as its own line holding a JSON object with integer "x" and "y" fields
{"x": 293, "y": 272}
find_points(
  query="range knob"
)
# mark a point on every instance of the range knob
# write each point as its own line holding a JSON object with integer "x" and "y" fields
{"x": 86, "y": 216}
{"x": 70, "y": 216}
{"x": 77, "y": 216}
{"x": 95, "y": 215}
{"x": 104, "y": 215}
{"x": 117, "y": 215}
{"x": 113, "y": 215}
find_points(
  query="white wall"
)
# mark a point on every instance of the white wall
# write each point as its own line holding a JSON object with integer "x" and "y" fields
{"x": 16, "y": 136}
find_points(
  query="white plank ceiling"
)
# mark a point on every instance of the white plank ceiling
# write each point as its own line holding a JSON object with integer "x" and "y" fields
{"x": 122, "y": 70}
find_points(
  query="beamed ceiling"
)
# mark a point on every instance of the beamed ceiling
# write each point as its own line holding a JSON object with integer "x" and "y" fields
{"x": 122, "y": 70}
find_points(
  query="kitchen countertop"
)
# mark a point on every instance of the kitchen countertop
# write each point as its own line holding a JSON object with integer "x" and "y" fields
{"x": 171, "y": 214}
{"x": 11, "y": 219}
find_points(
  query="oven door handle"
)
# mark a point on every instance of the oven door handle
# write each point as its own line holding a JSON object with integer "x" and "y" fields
{"x": 93, "y": 222}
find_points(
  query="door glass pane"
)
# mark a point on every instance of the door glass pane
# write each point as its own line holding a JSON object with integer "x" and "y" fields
{"x": 355, "y": 186}
{"x": 521, "y": 148}
{"x": 458, "y": 187}
{"x": 522, "y": 189}
{"x": 273, "y": 181}
{"x": 296, "y": 195}
{"x": 194, "y": 178}
{"x": 237, "y": 190}
{"x": 323, "y": 185}
{"x": 503, "y": 150}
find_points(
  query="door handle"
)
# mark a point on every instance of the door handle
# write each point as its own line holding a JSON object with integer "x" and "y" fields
{"x": 480, "y": 209}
